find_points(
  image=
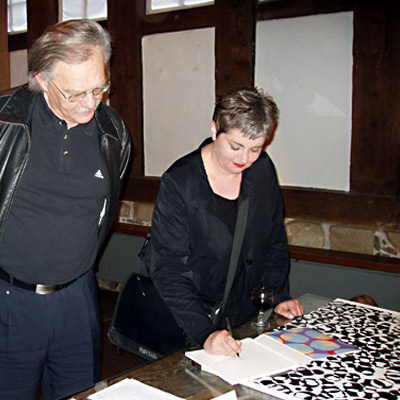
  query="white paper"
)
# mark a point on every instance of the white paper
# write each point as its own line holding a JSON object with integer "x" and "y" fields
{"x": 131, "y": 389}
{"x": 227, "y": 396}
{"x": 256, "y": 359}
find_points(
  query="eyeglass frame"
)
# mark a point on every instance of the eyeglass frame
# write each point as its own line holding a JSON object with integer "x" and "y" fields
{"x": 103, "y": 88}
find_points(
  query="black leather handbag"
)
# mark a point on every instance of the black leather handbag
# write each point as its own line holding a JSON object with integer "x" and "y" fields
{"x": 142, "y": 323}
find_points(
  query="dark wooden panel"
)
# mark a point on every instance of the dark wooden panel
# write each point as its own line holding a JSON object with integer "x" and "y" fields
{"x": 376, "y": 263}
{"x": 300, "y": 8}
{"x": 130, "y": 229}
{"x": 376, "y": 103}
{"x": 370, "y": 21}
{"x": 194, "y": 18}
{"x": 4, "y": 56}
{"x": 234, "y": 43}
{"x": 40, "y": 14}
{"x": 124, "y": 25}
{"x": 375, "y": 134}
{"x": 142, "y": 189}
{"x": 342, "y": 208}
{"x": 17, "y": 42}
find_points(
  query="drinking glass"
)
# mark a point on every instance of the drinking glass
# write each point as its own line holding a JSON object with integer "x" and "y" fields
{"x": 262, "y": 298}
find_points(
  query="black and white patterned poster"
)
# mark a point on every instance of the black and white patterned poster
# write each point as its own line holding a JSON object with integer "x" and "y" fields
{"x": 371, "y": 373}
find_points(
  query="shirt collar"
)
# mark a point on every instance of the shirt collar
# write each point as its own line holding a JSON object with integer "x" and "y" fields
{"x": 48, "y": 118}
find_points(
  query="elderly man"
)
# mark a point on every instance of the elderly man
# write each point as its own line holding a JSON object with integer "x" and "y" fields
{"x": 63, "y": 155}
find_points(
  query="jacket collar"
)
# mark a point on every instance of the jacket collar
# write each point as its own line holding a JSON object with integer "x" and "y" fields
{"x": 19, "y": 106}
{"x": 105, "y": 120}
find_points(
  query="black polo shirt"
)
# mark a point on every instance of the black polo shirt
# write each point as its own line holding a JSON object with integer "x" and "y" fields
{"x": 51, "y": 232}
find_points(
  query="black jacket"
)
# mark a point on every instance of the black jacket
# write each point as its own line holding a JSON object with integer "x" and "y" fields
{"x": 15, "y": 140}
{"x": 190, "y": 246}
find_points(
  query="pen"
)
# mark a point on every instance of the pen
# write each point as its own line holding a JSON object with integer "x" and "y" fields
{"x": 230, "y": 330}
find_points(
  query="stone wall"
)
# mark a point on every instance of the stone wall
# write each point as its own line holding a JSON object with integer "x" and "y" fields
{"x": 353, "y": 239}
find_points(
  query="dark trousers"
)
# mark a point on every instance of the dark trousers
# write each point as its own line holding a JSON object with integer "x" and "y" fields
{"x": 50, "y": 341}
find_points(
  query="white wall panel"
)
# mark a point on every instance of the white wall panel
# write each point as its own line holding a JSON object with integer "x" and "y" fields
{"x": 178, "y": 95}
{"x": 306, "y": 65}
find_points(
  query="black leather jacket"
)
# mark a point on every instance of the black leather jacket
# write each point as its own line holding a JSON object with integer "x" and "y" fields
{"x": 15, "y": 141}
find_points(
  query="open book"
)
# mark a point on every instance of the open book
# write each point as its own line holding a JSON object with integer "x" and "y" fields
{"x": 266, "y": 356}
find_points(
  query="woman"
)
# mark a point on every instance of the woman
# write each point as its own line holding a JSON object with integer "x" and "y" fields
{"x": 194, "y": 221}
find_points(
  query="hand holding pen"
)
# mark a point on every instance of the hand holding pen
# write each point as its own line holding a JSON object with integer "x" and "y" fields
{"x": 230, "y": 330}
{"x": 223, "y": 343}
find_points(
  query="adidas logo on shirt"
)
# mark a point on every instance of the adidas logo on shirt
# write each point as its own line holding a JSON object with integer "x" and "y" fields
{"x": 99, "y": 175}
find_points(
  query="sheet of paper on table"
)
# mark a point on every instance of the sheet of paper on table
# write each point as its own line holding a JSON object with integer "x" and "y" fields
{"x": 131, "y": 389}
{"x": 227, "y": 396}
{"x": 260, "y": 356}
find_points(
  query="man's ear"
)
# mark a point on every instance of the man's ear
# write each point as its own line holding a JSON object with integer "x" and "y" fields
{"x": 213, "y": 130}
{"x": 43, "y": 83}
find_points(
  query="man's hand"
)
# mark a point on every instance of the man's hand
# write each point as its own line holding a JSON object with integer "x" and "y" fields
{"x": 221, "y": 343}
{"x": 290, "y": 309}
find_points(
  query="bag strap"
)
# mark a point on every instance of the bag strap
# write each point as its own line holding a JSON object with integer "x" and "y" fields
{"x": 236, "y": 249}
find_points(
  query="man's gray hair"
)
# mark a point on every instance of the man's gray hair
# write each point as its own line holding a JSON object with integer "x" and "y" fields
{"x": 69, "y": 41}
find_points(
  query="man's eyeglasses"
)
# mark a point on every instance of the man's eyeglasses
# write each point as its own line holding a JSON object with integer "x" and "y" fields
{"x": 74, "y": 98}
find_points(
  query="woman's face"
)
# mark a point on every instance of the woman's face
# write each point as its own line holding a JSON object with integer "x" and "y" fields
{"x": 234, "y": 153}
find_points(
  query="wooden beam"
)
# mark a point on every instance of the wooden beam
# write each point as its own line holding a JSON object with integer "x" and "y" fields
{"x": 300, "y": 8}
{"x": 363, "y": 261}
{"x": 375, "y": 159}
{"x": 125, "y": 26}
{"x": 342, "y": 208}
{"x": 40, "y": 14}
{"x": 175, "y": 21}
{"x": 4, "y": 54}
{"x": 235, "y": 28}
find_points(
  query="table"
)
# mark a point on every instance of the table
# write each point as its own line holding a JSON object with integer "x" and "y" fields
{"x": 178, "y": 375}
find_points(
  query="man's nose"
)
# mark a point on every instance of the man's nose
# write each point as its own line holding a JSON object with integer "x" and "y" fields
{"x": 89, "y": 101}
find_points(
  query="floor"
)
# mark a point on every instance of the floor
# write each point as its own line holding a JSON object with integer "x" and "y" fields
{"x": 113, "y": 363}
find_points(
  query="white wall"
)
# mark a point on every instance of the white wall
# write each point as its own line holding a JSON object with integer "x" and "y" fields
{"x": 178, "y": 95}
{"x": 306, "y": 65}
{"x": 18, "y": 68}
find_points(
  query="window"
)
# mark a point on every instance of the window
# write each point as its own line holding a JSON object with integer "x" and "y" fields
{"x": 71, "y": 9}
{"x": 16, "y": 15}
{"x": 157, "y": 6}
{"x": 92, "y": 9}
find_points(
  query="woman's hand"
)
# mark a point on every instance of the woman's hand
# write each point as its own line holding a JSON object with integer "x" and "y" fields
{"x": 290, "y": 309}
{"x": 221, "y": 343}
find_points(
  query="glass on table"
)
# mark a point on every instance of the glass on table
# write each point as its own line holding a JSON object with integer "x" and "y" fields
{"x": 262, "y": 298}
